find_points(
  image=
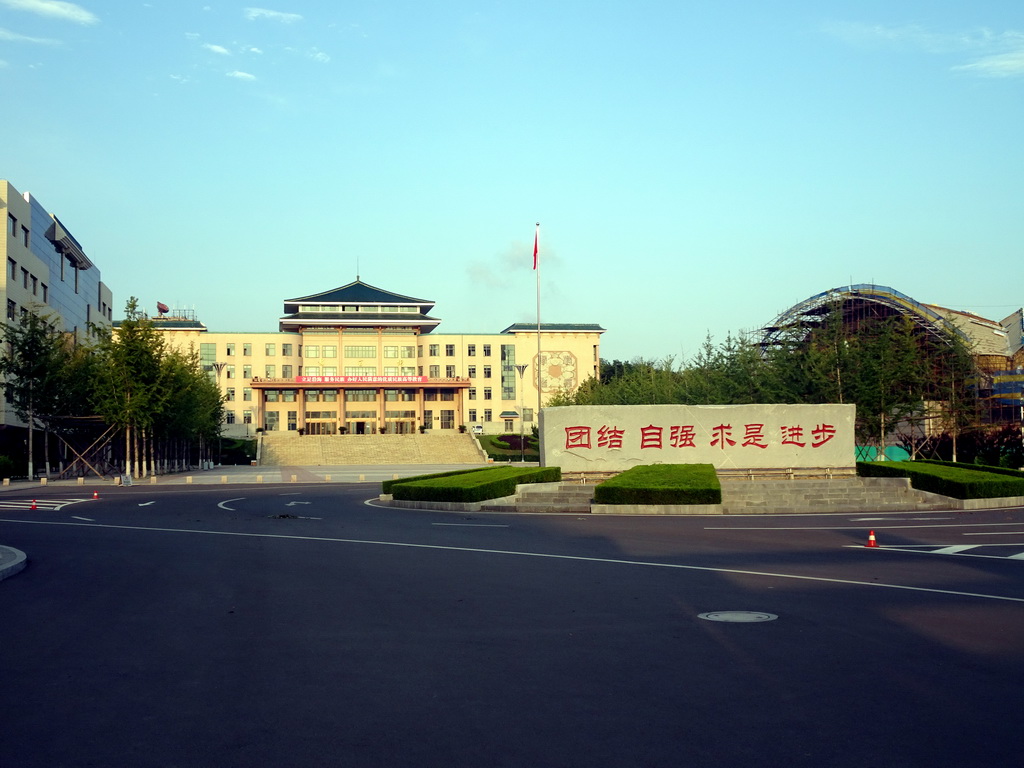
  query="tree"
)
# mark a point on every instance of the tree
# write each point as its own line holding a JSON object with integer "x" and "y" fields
{"x": 35, "y": 367}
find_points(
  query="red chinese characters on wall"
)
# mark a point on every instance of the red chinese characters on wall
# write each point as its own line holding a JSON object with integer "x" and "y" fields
{"x": 723, "y": 436}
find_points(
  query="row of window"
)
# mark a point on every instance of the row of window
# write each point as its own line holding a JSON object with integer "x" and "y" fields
{"x": 12, "y": 223}
{"x": 28, "y": 281}
{"x": 231, "y": 417}
{"x": 360, "y": 351}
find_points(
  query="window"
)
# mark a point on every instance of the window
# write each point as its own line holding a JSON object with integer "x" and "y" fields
{"x": 286, "y": 350}
{"x": 428, "y": 419}
{"x": 487, "y": 350}
{"x": 433, "y": 350}
{"x": 449, "y": 350}
{"x": 487, "y": 393}
{"x": 35, "y": 285}
{"x": 390, "y": 351}
{"x": 230, "y": 350}
{"x": 24, "y": 235}
{"x": 312, "y": 350}
{"x": 24, "y": 277}
{"x": 230, "y": 394}
{"x": 247, "y": 350}
{"x": 229, "y": 417}
{"x": 449, "y": 396}
{"x": 472, "y": 395}
{"x": 487, "y": 414}
{"x": 527, "y": 414}
{"x": 247, "y": 393}
{"x": 430, "y": 395}
{"x": 270, "y": 350}
{"x": 360, "y": 351}
{"x": 246, "y": 371}
{"x": 447, "y": 419}
{"x": 229, "y": 371}
{"x": 46, "y": 292}
{"x": 311, "y": 370}
{"x": 435, "y": 371}
{"x": 247, "y": 417}
{"x": 472, "y": 414}
{"x": 271, "y": 395}
{"x": 471, "y": 371}
{"x": 288, "y": 395}
{"x": 312, "y": 395}
{"x": 270, "y": 371}
{"x": 330, "y": 351}
{"x": 12, "y": 268}
{"x": 487, "y": 371}
{"x": 12, "y": 309}
{"x": 449, "y": 371}
{"x": 286, "y": 371}
{"x": 13, "y": 221}
{"x": 470, "y": 350}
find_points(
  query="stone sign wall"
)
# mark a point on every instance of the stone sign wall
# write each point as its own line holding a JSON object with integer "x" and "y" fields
{"x": 617, "y": 437}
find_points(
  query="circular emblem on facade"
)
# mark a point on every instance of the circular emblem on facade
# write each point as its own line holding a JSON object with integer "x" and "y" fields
{"x": 558, "y": 371}
{"x": 738, "y": 617}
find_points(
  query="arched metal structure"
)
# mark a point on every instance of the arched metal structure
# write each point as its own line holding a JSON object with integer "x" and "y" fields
{"x": 858, "y": 304}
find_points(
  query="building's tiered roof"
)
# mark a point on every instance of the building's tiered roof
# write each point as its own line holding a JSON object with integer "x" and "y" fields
{"x": 357, "y": 304}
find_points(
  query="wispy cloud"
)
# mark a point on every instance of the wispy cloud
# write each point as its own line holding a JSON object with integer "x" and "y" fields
{"x": 317, "y": 55}
{"x": 14, "y": 37}
{"x": 54, "y": 9}
{"x": 217, "y": 49}
{"x": 262, "y": 13}
{"x": 241, "y": 75}
{"x": 1000, "y": 54}
{"x": 1001, "y": 65}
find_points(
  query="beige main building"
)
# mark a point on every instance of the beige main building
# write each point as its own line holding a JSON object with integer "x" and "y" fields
{"x": 361, "y": 360}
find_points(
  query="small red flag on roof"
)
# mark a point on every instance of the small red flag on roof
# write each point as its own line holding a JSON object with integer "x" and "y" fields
{"x": 536, "y": 245}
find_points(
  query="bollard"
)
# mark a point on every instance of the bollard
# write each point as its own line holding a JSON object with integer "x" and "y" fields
{"x": 327, "y": 479}
{"x": 362, "y": 478}
{"x": 81, "y": 481}
{"x": 295, "y": 478}
{"x": 7, "y": 481}
{"x": 188, "y": 480}
{"x": 223, "y": 479}
{"x": 394, "y": 477}
{"x": 152, "y": 479}
{"x": 42, "y": 480}
{"x": 259, "y": 478}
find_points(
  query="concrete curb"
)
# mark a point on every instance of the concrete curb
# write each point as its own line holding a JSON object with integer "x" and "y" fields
{"x": 12, "y": 561}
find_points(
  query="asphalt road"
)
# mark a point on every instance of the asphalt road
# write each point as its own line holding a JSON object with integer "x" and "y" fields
{"x": 297, "y": 625}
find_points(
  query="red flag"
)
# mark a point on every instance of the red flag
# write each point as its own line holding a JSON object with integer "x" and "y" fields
{"x": 536, "y": 245}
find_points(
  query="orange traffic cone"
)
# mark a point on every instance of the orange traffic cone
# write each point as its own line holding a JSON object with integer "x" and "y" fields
{"x": 871, "y": 540}
{"x": 95, "y": 494}
{"x": 34, "y": 504}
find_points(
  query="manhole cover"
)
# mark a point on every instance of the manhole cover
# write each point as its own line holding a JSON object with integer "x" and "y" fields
{"x": 739, "y": 616}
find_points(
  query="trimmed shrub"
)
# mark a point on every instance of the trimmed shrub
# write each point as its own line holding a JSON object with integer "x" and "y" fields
{"x": 478, "y": 485}
{"x": 662, "y": 484}
{"x": 950, "y": 480}
{"x": 387, "y": 485}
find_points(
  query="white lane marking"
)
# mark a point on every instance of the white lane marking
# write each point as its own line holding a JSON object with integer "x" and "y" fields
{"x": 1018, "y": 556}
{"x": 953, "y": 549}
{"x": 848, "y": 527}
{"x": 293, "y": 503}
{"x": 996, "y": 533}
{"x": 87, "y": 519}
{"x": 473, "y": 525}
{"x": 226, "y": 501}
{"x": 147, "y": 503}
{"x": 543, "y": 555}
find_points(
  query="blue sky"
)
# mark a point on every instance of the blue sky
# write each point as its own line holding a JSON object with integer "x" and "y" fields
{"x": 697, "y": 167}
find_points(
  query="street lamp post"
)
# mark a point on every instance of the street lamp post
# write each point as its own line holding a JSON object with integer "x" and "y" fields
{"x": 219, "y": 368}
{"x": 521, "y": 367}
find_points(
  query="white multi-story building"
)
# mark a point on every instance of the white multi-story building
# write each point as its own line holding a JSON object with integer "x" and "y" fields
{"x": 361, "y": 360}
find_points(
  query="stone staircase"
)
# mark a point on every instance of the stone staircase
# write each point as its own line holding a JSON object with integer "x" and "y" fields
{"x": 740, "y": 497}
{"x": 840, "y": 494}
{"x": 568, "y": 497}
{"x": 289, "y": 449}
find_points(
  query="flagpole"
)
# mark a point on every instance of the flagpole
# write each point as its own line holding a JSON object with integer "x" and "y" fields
{"x": 536, "y": 268}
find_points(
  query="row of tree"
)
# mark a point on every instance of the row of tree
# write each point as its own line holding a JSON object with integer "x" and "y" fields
{"x": 165, "y": 409}
{"x": 905, "y": 383}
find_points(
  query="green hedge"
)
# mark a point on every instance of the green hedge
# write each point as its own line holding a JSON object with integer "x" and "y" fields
{"x": 979, "y": 467}
{"x": 957, "y": 482}
{"x": 387, "y": 485}
{"x": 662, "y": 484}
{"x": 468, "y": 487}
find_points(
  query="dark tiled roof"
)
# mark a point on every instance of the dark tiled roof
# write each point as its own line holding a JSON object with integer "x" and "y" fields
{"x": 555, "y": 327}
{"x": 359, "y": 292}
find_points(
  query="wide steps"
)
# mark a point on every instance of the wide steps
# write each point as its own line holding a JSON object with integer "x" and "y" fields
{"x": 284, "y": 449}
{"x": 854, "y": 494}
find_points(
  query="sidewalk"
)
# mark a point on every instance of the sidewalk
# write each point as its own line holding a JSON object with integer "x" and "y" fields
{"x": 238, "y": 475}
